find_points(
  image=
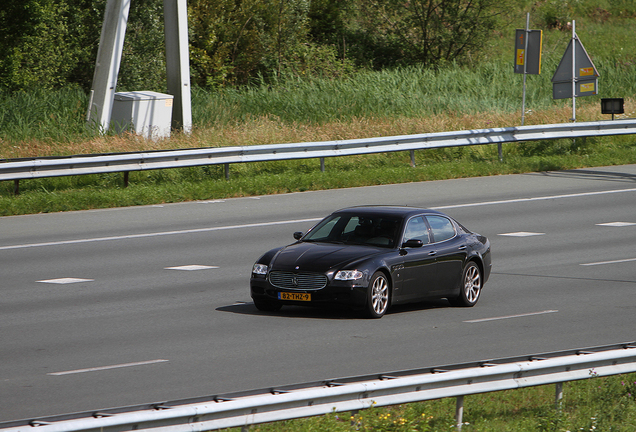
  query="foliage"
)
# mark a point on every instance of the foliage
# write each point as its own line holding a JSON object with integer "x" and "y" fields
{"x": 34, "y": 42}
{"x": 53, "y": 43}
{"x": 50, "y": 44}
{"x": 432, "y": 32}
{"x": 143, "y": 63}
{"x": 232, "y": 42}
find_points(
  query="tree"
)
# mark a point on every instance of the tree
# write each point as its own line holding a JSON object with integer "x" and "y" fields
{"x": 430, "y": 32}
{"x": 51, "y": 44}
{"x": 34, "y": 44}
{"x": 232, "y": 41}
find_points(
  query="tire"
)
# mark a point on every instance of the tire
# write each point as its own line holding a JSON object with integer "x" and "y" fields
{"x": 266, "y": 305}
{"x": 470, "y": 288}
{"x": 377, "y": 296}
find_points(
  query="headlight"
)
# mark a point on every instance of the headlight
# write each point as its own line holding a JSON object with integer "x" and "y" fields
{"x": 259, "y": 269}
{"x": 348, "y": 275}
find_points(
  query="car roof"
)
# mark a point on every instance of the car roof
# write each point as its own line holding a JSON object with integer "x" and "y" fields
{"x": 387, "y": 210}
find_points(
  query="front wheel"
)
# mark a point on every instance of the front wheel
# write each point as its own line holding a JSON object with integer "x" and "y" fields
{"x": 377, "y": 296}
{"x": 470, "y": 289}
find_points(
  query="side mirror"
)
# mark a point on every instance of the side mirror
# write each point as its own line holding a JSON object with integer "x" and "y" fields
{"x": 413, "y": 243}
{"x": 298, "y": 235}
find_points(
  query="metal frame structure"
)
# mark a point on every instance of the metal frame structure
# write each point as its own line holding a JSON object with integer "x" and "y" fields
{"x": 109, "y": 55}
{"x": 349, "y": 394}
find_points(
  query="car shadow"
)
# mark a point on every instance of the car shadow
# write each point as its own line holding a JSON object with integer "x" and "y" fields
{"x": 331, "y": 312}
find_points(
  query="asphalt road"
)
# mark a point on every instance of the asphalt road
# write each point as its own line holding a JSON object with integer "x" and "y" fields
{"x": 97, "y": 309}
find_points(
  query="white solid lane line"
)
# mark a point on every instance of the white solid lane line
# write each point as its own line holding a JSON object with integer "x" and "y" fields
{"x": 158, "y": 234}
{"x": 609, "y": 262}
{"x": 511, "y": 316}
{"x": 521, "y": 200}
{"x": 101, "y": 368}
{"x": 264, "y": 224}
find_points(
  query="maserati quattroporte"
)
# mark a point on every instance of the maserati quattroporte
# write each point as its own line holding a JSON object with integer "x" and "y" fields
{"x": 372, "y": 257}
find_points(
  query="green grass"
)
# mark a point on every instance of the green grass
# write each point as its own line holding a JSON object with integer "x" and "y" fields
{"x": 592, "y": 405}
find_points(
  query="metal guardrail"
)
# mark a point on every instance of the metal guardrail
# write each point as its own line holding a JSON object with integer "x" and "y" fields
{"x": 348, "y": 394}
{"x": 125, "y": 162}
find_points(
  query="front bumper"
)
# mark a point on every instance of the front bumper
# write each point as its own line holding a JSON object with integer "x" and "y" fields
{"x": 335, "y": 292}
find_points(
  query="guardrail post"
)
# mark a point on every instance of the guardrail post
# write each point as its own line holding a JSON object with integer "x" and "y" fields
{"x": 126, "y": 173}
{"x": 459, "y": 412}
{"x": 322, "y": 164}
{"x": 413, "y": 158}
{"x": 227, "y": 171}
{"x": 16, "y": 187}
{"x": 559, "y": 396}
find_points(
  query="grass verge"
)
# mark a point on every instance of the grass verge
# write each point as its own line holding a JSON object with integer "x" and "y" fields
{"x": 592, "y": 405}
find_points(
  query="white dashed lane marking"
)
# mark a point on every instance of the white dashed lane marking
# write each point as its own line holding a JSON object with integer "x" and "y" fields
{"x": 65, "y": 280}
{"x": 522, "y": 234}
{"x": 617, "y": 224}
{"x": 191, "y": 267}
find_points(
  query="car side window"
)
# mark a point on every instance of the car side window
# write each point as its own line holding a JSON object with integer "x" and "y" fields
{"x": 416, "y": 229}
{"x": 441, "y": 227}
{"x": 323, "y": 232}
{"x": 349, "y": 229}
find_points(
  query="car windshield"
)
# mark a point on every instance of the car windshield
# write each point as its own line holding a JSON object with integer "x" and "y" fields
{"x": 356, "y": 229}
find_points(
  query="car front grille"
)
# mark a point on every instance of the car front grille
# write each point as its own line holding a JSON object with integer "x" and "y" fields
{"x": 297, "y": 281}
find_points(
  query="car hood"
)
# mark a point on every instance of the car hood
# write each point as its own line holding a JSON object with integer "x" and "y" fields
{"x": 320, "y": 257}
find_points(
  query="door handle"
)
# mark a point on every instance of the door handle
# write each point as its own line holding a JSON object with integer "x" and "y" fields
{"x": 432, "y": 253}
{"x": 462, "y": 247}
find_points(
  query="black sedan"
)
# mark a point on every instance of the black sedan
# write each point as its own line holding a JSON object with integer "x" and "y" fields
{"x": 372, "y": 257}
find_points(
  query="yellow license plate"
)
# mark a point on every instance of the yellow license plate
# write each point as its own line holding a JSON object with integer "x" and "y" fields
{"x": 294, "y": 296}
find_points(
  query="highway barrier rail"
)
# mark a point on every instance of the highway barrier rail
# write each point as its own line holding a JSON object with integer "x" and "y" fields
{"x": 19, "y": 169}
{"x": 348, "y": 394}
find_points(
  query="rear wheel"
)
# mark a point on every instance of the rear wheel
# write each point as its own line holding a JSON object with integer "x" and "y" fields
{"x": 470, "y": 288}
{"x": 266, "y": 305}
{"x": 377, "y": 296}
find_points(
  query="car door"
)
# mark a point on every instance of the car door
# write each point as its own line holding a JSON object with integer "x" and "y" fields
{"x": 450, "y": 253}
{"x": 419, "y": 272}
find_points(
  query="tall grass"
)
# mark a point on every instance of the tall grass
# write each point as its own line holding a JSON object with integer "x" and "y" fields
{"x": 42, "y": 115}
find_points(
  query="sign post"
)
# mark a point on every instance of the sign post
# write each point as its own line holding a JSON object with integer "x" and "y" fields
{"x": 527, "y": 56}
{"x": 576, "y": 75}
{"x": 527, "y": 60}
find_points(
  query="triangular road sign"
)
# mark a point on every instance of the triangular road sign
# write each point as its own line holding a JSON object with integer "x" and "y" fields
{"x": 584, "y": 68}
